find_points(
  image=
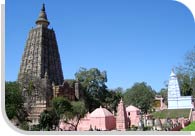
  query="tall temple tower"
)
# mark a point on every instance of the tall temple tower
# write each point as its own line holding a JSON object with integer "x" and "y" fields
{"x": 41, "y": 56}
{"x": 40, "y": 61}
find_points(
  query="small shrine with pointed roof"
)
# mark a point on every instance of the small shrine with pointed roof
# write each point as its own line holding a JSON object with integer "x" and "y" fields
{"x": 133, "y": 114}
{"x": 121, "y": 118}
{"x": 175, "y": 100}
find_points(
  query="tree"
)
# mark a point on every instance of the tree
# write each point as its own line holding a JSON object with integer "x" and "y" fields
{"x": 78, "y": 112}
{"x": 61, "y": 105}
{"x": 112, "y": 99}
{"x": 186, "y": 74}
{"x": 140, "y": 95}
{"x": 14, "y": 103}
{"x": 45, "y": 121}
{"x": 93, "y": 86}
{"x": 50, "y": 117}
{"x": 71, "y": 113}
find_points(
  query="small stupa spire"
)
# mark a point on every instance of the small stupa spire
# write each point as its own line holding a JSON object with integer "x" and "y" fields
{"x": 42, "y": 19}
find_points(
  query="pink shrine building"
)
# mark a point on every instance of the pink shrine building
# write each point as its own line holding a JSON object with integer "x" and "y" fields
{"x": 133, "y": 113}
{"x": 102, "y": 119}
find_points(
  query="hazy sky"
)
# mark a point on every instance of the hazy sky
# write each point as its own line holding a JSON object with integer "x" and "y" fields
{"x": 133, "y": 40}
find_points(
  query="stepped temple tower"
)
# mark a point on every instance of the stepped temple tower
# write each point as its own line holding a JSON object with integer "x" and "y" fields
{"x": 175, "y": 100}
{"x": 41, "y": 64}
{"x": 41, "y": 56}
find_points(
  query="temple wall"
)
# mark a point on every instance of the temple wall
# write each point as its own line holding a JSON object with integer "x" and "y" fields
{"x": 111, "y": 123}
{"x": 133, "y": 117}
{"x": 84, "y": 124}
{"x": 185, "y": 102}
{"x": 180, "y": 102}
{"x": 98, "y": 123}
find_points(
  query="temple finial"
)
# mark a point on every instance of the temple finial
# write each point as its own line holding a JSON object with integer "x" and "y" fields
{"x": 172, "y": 72}
{"x": 43, "y": 7}
{"x": 42, "y": 19}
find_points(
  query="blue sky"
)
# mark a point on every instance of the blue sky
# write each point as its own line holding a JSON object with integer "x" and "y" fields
{"x": 133, "y": 40}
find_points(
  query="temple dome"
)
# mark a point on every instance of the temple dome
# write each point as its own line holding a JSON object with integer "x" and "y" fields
{"x": 101, "y": 112}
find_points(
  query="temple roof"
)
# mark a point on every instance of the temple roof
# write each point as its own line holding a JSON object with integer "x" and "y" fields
{"x": 132, "y": 108}
{"x": 42, "y": 19}
{"x": 172, "y": 73}
{"x": 101, "y": 112}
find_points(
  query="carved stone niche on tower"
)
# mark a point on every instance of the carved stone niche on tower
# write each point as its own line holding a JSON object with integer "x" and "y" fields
{"x": 69, "y": 89}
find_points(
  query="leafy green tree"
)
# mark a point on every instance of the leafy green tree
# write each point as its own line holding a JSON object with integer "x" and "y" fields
{"x": 185, "y": 83}
{"x": 60, "y": 106}
{"x": 140, "y": 95}
{"x": 78, "y": 111}
{"x": 45, "y": 121}
{"x": 61, "y": 109}
{"x": 112, "y": 99}
{"x": 71, "y": 113}
{"x": 186, "y": 74}
{"x": 93, "y": 86}
{"x": 14, "y": 102}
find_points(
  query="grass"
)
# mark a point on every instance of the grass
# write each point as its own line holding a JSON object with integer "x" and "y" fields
{"x": 172, "y": 113}
{"x": 190, "y": 127}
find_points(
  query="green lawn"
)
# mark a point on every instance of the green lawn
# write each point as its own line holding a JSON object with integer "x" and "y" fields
{"x": 172, "y": 113}
{"x": 190, "y": 127}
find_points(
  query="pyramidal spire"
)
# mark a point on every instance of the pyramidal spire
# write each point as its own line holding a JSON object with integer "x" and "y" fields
{"x": 42, "y": 19}
{"x": 173, "y": 86}
{"x": 172, "y": 73}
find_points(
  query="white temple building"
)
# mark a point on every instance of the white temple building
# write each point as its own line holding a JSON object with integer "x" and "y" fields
{"x": 175, "y": 100}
